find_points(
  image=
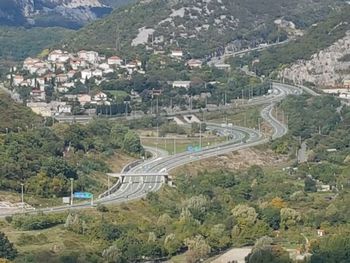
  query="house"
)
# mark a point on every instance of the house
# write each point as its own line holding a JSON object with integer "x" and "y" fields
{"x": 132, "y": 65}
{"x": 17, "y": 80}
{"x": 346, "y": 83}
{"x": 138, "y": 63}
{"x": 194, "y": 63}
{"x": 75, "y": 64}
{"x": 54, "y": 55}
{"x": 182, "y": 84}
{"x": 84, "y": 98}
{"x": 86, "y": 74}
{"x": 107, "y": 71}
{"x": 64, "y": 109}
{"x": 71, "y": 73}
{"x": 90, "y": 56}
{"x": 115, "y": 60}
{"x": 33, "y": 69}
{"x": 177, "y": 53}
{"x": 97, "y": 73}
{"x": 100, "y": 97}
{"x": 38, "y": 95}
{"x": 321, "y": 232}
{"x": 222, "y": 66}
{"x": 71, "y": 97}
{"x": 61, "y": 78}
{"x": 28, "y": 62}
{"x": 68, "y": 85}
{"x": 104, "y": 66}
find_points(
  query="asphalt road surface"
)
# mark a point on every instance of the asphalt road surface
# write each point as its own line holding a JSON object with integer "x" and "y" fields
{"x": 136, "y": 187}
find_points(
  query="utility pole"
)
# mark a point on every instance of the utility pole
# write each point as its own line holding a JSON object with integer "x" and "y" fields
{"x": 71, "y": 191}
{"x": 22, "y": 196}
{"x": 157, "y": 134}
{"x": 242, "y": 96}
{"x": 200, "y": 135}
{"x": 109, "y": 191}
{"x": 174, "y": 145}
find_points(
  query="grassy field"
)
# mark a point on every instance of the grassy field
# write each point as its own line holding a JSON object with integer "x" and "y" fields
{"x": 246, "y": 117}
{"x": 180, "y": 144}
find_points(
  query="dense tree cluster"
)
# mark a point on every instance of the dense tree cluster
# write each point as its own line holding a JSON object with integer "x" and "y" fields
{"x": 44, "y": 159}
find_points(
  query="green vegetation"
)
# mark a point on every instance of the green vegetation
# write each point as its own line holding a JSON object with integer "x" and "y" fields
{"x": 208, "y": 213}
{"x": 15, "y": 116}
{"x": 7, "y": 251}
{"x": 246, "y": 22}
{"x": 44, "y": 159}
{"x": 17, "y": 43}
{"x": 316, "y": 38}
{"x": 27, "y": 222}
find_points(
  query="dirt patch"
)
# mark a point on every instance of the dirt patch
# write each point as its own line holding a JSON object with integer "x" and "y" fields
{"x": 237, "y": 160}
{"x": 233, "y": 255}
{"x": 118, "y": 161}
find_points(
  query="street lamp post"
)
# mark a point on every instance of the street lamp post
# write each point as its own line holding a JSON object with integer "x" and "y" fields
{"x": 71, "y": 191}
{"x": 200, "y": 135}
{"x": 109, "y": 191}
{"x": 22, "y": 196}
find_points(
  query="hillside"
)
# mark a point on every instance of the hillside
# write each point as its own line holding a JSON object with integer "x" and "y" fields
{"x": 18, "y": 43}
{"x": 319, "y": 37}
{"x": 14, "y": 115}
{"x": 48, "y": 13}
{"x": 198, "y": 27}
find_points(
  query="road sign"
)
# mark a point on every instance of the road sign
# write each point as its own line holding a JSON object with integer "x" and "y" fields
{"x": 66, "y": 200}
{"x": 83, "y": 195}
{"x": 197, "y": 149}
{"x": 190, "y": 148}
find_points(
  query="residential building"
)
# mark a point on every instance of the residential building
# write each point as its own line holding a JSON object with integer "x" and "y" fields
{"x": 182, "y": 84}
{"x": 84, "y": 98}
{"x": 90, "y": 56}
{"x": 17, "y": 80}
{"x": 100, "y": 97}
{"x": 86, "y": 74}
{"x": 115, "y": 60}
{"x": 194, "y": 63}
{"x": 177, "y": 53}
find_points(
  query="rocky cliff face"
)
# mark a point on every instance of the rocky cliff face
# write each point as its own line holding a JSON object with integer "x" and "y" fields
{"x": 328, "y": 68}
{"x": 66, "y": 13}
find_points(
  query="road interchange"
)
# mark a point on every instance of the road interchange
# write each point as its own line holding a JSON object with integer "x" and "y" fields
{"x": 136, "y": 187}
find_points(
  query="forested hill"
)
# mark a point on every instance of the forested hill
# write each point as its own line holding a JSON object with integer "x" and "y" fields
{"x": 14, "y": 116}
{"x": 199, "y": 27}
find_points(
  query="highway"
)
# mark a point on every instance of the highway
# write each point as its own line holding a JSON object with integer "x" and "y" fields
{"x": 136, "y": 187}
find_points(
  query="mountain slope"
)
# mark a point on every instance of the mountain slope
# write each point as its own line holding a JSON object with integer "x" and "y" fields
{"x": 15, "y": 116}
{"x": 319, "y": 37}
{"x": 66, "y": 13}
{"x": 199, "y": 27}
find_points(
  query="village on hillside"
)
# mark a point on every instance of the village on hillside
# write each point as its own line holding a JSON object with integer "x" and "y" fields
{"x": 57, "y": 84}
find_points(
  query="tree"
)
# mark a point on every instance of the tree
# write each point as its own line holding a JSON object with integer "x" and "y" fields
{"x": 289, "y": 217}
{"x": 7, "y": 249}
{"x": 172, "y": 244}
{"x": 333, "y": 249}
{"x": 132, "y": 143}
{"x": 112, "y": 254}
{"x": 271, "y": 215}
{"x": 310, "y": 185}
{"x": 198, "y": 248}
{"x": 245, "y": 215}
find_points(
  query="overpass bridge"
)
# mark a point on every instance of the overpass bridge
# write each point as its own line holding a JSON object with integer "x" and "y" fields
{"x": 143, "y": 176}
